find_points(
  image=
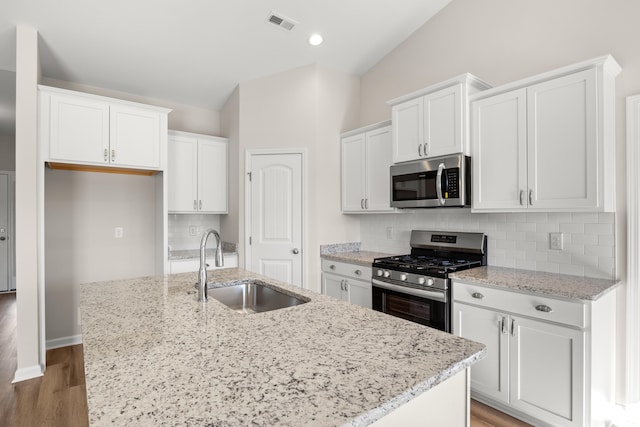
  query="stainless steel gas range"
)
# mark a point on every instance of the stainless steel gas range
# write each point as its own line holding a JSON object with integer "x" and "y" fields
{"x": 417, "y": 286}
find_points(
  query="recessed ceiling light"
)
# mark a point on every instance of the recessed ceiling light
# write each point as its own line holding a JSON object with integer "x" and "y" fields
{"x": 315, "y": 39}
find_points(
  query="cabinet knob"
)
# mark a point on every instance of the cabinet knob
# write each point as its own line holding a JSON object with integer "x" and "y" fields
{"x": 333, "y": 267}
{"x": 2, "y": 238}
{"x": 544, "y": 308}
{"x": 358, "y": 272}
{"x": 477, "y": 295}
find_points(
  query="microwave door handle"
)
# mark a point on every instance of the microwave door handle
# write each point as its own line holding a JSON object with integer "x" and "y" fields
{"x": 439, "y": 183}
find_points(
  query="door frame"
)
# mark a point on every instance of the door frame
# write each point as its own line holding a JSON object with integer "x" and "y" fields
{"x": 12, "y": 228}
{"x": 632, "y": 336}
{"x": 249, "y": 153}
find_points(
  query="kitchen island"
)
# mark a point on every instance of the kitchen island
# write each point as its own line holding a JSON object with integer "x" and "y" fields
{"x": 155, "y": 356}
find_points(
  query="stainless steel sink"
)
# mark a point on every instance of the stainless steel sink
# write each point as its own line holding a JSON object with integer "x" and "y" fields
{"x": 254, "y": 297}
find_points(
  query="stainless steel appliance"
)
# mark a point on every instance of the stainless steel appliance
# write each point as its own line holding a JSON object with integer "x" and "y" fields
{"x": 416, "y": 286}
{"x": 430, "y": 183}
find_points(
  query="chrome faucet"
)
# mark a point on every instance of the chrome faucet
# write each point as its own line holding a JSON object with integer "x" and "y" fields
{"x": 202, "y": 280}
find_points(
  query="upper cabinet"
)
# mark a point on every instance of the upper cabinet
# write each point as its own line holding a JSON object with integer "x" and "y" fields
{"x": 433, "y": 121}
{"x": 197, "y": 173}
{"x": 83, "y": 129}
{"x": 366, "y": 158}
{"x": 547, "y": 143}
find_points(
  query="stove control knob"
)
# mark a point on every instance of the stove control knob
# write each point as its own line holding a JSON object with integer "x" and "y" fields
{"x": 387, "y": 273}
{"x": 429, "y": 281}
{"x": 421, "y": 280}
{"x": 379, "y": 272}
{"x": 403, "y": 277}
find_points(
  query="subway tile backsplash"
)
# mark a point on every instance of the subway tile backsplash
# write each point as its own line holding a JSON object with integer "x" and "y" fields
{"x": 519, "y": 240}
{"x": 185, "y": 230}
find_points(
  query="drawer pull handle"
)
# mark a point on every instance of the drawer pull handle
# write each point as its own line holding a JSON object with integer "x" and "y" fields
{"x": 477, "y": 295}
{"x": 358, "y": 272}
{"x": 544, "y": 308}
{"x": 333, "y": 267}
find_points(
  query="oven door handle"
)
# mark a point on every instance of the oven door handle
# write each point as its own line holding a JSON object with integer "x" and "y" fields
{"x": 440, "y": 296}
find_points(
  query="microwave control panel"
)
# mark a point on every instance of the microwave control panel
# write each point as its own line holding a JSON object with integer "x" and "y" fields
{"x": 450, "y": 188}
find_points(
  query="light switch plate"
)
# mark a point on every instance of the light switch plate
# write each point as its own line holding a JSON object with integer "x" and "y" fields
{"x": 119, "y": 232}
{"x": 555, "y": 241}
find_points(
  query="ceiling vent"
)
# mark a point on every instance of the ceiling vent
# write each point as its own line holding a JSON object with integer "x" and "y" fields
{"x": 281, "y": 21}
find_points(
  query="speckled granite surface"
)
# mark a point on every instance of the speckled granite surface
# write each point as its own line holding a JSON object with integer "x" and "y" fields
{"x": 155, "y": 356}
{"x": 340, "y": 247}
{"x": 194, "y": 254}
{"x": 360, "y": 257}
{"x": 559, "y": 285}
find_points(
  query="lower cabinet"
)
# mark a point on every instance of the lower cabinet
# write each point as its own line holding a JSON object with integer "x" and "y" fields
{"x": 348, "y": 282}
{"x": 545, "y": 371}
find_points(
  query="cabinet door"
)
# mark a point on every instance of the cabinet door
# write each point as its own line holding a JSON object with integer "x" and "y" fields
{"x": 79, "y": 129}
{"x": 212, "y": 176}
{"x": 443, "y": 122}
{"x": 378, "y": 162}
{"x": 182, "y": 174}
{"x": 359, "y": 292}
{"x": 134, "y": 137}
{"x": 490, "y": 376}
{"x": 332, "y": 285}
{"x": 563, "y": 143}
{"x": 408, "y": 130}
{"x": 547, "y": 371}
{"x": 499, "y": 152}
{"x": 353, "y": 173}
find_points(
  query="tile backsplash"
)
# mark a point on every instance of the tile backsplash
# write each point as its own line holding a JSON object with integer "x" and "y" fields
{"x": 185, "y": 230}
{"x": 519, "y": 240}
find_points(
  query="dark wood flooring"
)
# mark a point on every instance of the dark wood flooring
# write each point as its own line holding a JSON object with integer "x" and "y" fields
{"x": 59, "y": 397}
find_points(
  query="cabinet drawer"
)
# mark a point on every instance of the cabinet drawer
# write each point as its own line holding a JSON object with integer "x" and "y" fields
{"x": 345, "y": 269}
{"x": 530, "y": 305}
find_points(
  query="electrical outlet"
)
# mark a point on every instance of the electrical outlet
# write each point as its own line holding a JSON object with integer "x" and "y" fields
{"x": 119, "y": 232}
{"x": 555, "y": 241}
{"x": 193, "y": 230}
{"x": 389, "y": 232}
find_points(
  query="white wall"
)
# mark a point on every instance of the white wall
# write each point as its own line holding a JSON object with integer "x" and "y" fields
{"x": 501, "y": 41}
{"x": 7, "y": 152}
{"x": 306, "y": 107}
{"x": 29, "y": 297}
{"x": 230, "y": 128}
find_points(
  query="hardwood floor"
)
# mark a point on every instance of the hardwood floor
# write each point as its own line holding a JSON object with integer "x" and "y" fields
{"x": 59, "y": 397}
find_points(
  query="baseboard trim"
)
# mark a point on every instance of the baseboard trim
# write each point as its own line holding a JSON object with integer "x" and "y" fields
{"x": 28, "y": 373}
{"x": 64, "y": 341}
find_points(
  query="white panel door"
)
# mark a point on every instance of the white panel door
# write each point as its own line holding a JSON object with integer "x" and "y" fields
{"x": 547, "y": 371}
{"x": 135, "y": 137}
{"x": 4, "y": 232}
{"x": 276, "y": 216}
{"x": 489, "y": 376}
{"x": 79, "y": 130}
{"x": 443, "y": 122}
{"x": 212, "y": 176}
{"x": 182, "y": 174}
{"x": 499, "y": 151}
{"x": 378, "y": 162}
{"x": 562, "y": 142}
{"x": 408, "y": 130}
{"x": 353, "y": 173}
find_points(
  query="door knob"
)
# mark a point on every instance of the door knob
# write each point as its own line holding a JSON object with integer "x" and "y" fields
{"x": 296, "y": 251}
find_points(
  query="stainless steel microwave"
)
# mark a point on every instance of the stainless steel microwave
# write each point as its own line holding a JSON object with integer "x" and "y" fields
{"x": 431, "y": 183}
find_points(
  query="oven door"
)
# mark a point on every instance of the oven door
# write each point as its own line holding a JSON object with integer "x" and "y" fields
{"x": 427, "y": 307}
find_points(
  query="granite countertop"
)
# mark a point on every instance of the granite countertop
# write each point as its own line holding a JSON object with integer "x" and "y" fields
{"x": 552, "y": 284}
{"x": 155, "y": 356}
{"x": 351, "y": 253}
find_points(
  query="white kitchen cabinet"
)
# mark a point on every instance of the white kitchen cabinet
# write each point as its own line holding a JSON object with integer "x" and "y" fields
{"x": 366, "y": 158}
{"x": 348, "y": 282}
{"x": 545, "y": 361}
{"x": 546, "y": 143}
{"x": 82, "y": 129}
{"x": 197, "y": 173}
{"x": 432, "y": 122}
